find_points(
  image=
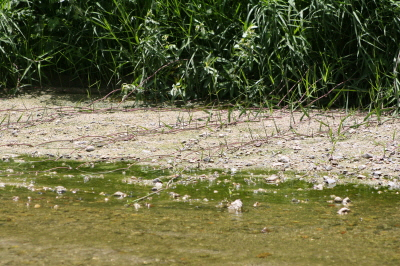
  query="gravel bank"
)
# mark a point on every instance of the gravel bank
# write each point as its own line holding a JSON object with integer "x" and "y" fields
{"x": 323, "y": 145}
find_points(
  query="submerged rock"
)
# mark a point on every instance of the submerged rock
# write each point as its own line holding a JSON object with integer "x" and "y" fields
{"x": 61, "y": 189}
{"x": 174, "y": 195}
{"x": 235, "y": 206}
{"x": 119, "y": 195}
{"x": 319, "y": 187}
{"x": 272, "y": 179}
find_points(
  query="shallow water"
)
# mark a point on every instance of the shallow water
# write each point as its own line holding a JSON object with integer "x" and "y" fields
{"x": 86, "y": 225}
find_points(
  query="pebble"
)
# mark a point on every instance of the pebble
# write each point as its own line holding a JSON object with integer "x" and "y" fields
{"x": 90, "y": 148}
{"x": 367, "y": 156}
{"x": 157, "y": 186}
{"x": 362, "y": 167}
{"x": 174, "y": 195}
{"x": 336, "y": 158}
{"x": 119, "y": 195}
{"x": 377, "y": 173}
{"x": 272, "y": 179}
{"x": 258, "y": 144}
{"x": 61, "y": 189}
{"x": 283, "y": 159}
{"x": 235, "y": 206}
{"x": 346, "y": 201}
{"x": 329, "y": 181}
{"x": 343, "y": 211}
{"x": 338, "y": 200}
{"x": 137, "y": 206}
{"x": 295, "y": 200}
{"x": 319, "y": 187}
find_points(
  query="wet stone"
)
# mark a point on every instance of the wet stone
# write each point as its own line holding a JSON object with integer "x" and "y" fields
{"x": 343, "y": 211}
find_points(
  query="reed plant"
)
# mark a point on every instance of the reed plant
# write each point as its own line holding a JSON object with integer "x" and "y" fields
{"x": 269, "y": 53}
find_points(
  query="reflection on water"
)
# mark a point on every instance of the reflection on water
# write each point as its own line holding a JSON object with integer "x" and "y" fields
{"x": 188, "y": 222}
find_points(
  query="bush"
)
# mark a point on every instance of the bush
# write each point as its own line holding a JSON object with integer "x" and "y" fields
{"x": 270, "y": 52}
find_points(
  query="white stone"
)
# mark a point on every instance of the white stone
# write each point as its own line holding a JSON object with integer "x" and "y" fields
{"x": 343, "y": 211}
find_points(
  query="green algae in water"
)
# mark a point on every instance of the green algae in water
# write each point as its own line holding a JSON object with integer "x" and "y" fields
{"x": 291, "y": 225}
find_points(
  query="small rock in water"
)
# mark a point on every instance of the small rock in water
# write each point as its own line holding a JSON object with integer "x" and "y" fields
{"x": 265, "y": 230}
{"x": 174, "y": 195}
{"x": 329, "y": 181}
{"x": 235, "y": 206}
{"x": 158, "y": 185}
{"x": 119, "y": 195}
{"x": 295, "y": 200}
{"x": 61, "y": 189}
{"x": 343, "y": 211}
{"x": 338, "y": 200}
{"x": 185, "y": 197}
{"x": 272, "y": 179}
{"x": 319, "y": 187}
{"x": 346, "y": 201}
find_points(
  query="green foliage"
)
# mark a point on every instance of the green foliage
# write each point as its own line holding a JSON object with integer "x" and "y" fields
{"x": 267, "y": 53}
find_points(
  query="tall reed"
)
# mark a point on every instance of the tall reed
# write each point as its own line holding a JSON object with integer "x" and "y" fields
{"x": 266, "y": 53}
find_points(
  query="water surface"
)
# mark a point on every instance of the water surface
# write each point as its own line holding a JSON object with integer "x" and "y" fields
{"x": 292, "y": 224}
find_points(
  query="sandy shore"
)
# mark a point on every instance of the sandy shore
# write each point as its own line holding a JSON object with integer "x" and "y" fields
{"x": 333, "y": 144}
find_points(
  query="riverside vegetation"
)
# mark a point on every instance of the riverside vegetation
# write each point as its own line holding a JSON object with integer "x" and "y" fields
{"x": 263, "y": 53}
